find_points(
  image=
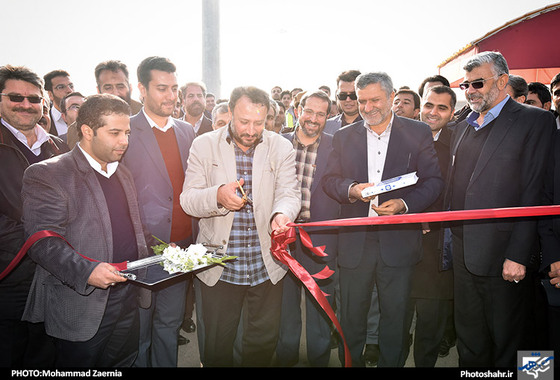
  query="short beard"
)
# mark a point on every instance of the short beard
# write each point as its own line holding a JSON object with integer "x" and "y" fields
{"x": 487, "y": 100}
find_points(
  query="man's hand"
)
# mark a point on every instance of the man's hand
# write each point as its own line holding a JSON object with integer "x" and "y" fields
{"x": 104, "y": 275}
{"x": 279, "y": 223}
{"x": 356, "y": 192}
{"x": 390, "y": 207}
{"x": 228, "y": 198}
{"x": 513, "y": 271}
{"x": 554, "y": 273}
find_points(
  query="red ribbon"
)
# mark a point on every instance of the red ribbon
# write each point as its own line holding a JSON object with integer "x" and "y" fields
{"x": 281, "y": 241}
{"x": 279, "y": 249}
{"x": 440, "y": 216}
{"x": 41, "y": 235}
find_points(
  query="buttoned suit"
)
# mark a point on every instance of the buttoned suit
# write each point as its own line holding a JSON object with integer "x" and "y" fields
{"x": 509, "y": 172}
{"x": 318, "y": 335}
{"x": 160, "y": 324}
{"x": 63, "y": 195}
{"x": 398, "y": 247}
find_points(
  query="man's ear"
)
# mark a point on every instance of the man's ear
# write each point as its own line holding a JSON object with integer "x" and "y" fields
{"x": 87, "y": 132}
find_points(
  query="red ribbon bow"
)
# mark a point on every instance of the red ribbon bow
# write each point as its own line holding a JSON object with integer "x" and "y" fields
{"x": 279, "y": 250}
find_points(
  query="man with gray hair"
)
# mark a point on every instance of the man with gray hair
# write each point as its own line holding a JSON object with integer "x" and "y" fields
{"x": 221, "y": 115}
{"x": 380, "y": 147}
{"x": 498, "y": 156}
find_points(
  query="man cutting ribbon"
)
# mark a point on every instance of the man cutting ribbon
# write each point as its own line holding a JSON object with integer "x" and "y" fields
{"x": 89, "y": 199}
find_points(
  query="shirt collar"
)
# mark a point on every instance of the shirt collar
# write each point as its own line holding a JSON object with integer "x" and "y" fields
{"x": 111, "y": 166}
{"x": 315, "y": 143}
{"x": 42, "y": 137}
{"x": 153, "y": 124}
{"x": 387, "y": 130}
{"x": 492, "y": 114}
{"x": 56, "y": 114}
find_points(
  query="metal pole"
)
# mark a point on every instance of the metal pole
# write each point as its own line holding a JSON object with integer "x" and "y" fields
{"x": 211, "y": 46}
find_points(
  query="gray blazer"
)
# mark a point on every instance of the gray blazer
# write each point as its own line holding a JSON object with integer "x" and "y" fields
{"x": 63, "y": 195}
{"x": 275, "y": 189}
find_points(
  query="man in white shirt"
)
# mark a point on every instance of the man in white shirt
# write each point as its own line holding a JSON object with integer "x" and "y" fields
{"x": 89, "y": 199}
{"x": 58, "y": 84}
{"x": 157, "y": 157}
{"x": 194, "y": 105}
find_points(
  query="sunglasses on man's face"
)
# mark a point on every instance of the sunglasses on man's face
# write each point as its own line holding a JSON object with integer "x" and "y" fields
{"x": 476, "y": 84}
{"x": 15, "y": 98}
{"x": 345, "y": 95}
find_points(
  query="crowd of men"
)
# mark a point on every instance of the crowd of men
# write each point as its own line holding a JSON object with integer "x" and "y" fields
{"x": 102, "y": 178}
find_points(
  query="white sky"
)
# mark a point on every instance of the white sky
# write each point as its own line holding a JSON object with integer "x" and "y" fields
{"x": 292, "y": 43}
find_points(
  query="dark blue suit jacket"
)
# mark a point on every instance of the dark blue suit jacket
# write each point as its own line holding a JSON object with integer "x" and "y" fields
{"x": 145, "y": 161}
{"x": 322, "y": 208}
{"x": 410, "y": 149}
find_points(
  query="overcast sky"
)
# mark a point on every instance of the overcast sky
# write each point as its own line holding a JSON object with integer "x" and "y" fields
{"x": 292, "y": 43}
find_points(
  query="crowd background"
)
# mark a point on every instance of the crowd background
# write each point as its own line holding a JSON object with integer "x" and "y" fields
{"x": 283, "y": 113}
{"x": 271, "y": 46}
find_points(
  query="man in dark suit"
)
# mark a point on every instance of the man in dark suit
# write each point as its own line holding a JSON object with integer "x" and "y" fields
{"x": 312, "y": 150}
{"x": 380, "y": 147}
{"x": 90, "y": 200}
{"x": 549, "y": 233}
{"x": 498, "y": 156}
{"x": 157, "y": 158}
{"x": 432, "y": 281}
{"x": 57, "y": 84}
{"x": 194, "y": 104}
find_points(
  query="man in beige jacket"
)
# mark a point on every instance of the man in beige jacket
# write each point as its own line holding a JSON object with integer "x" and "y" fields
{"x": 242, "y": 159}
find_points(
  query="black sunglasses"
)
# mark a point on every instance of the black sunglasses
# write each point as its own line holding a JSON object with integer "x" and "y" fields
{"x": 345, "y": 95}
{"x": 476, "y": 84}
{"x": 19, "y": 98}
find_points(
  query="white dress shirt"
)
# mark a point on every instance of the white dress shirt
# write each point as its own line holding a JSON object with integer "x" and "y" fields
{"x": 39, "y": 132}
{"x": 376, "y": 153}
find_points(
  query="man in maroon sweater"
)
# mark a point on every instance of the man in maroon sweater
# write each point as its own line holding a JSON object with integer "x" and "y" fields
{"x": 157, "y": 157}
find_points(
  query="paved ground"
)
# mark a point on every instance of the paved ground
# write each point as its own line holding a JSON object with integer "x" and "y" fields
{"x": 189, "y": 356}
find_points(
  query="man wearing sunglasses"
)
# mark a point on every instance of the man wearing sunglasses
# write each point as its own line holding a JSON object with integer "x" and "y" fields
{"x": 22, "y": 142}
{"x": 498, "y": 156}
{"x": 347, "y": 102}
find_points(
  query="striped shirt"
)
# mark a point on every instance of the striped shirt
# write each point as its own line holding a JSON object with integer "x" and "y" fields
{"x": 248, "y": 268}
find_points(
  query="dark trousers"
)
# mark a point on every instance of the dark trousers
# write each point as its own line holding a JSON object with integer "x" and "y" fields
{"x": 431, "y": 324}
{"x": 160, "y": 324}
{"x": 22, "y": 344}
{"x": 116, "y": 342}
{"x": 222, "y": 305}
{"x": 393, "y": 287}
{"x": 490, "y": 315}
{"x": 317, "y": 323}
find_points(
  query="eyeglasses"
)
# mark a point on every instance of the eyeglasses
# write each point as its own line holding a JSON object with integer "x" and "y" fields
{"x": 476, "y": 84}
{"x": 64, "y": 86}
{"x": 16, "y": 98}
{"x": 310, "y": 113}
{"x": 345, "y": 95}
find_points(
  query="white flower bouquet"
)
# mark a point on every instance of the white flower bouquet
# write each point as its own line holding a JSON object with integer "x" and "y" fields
{"x": 177, "y": 259}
